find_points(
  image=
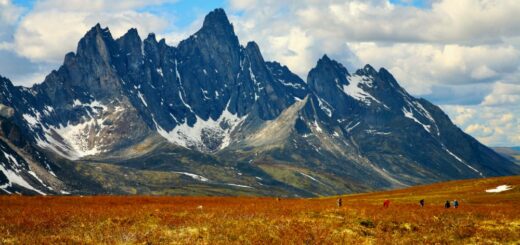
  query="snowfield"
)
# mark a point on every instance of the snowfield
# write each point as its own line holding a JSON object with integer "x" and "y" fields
{"x": 500, "y": 188}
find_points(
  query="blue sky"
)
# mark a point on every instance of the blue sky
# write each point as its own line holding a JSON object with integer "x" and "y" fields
{"x": 182, "y": 12}
{"x": 463, "y": 55}
{"x": 413, "y": 3}
{"x": 185, "y": 12}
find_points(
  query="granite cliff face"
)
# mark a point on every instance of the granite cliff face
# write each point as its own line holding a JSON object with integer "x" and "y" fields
{"x": 211, "y": 116}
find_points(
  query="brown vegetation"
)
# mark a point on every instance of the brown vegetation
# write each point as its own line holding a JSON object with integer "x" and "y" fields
{"x": 481, "y": 218}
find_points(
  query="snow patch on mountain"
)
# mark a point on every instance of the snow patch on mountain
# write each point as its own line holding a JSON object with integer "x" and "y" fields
{"x": 48, "y": 110}
{"x": 204, "y": 135}
{"x": 409, "y": 114}
{"x": 312, "y": 178}
{"x": 290, "y": 84}
{"x": 419, "y": 108}
{"x": 95, "y": 105}
{"x": 354, "y": 90}
{"x": 76, "y": 103}
{"x": 237, "y": 185}
{"x": 13, "y": 177}
{"x": 31, "y": 120}
{"x": 140, "y": 95}
{"x": 72, "y": 141}
{"x": 12, "y": 159}
{"x": 325, "y": 107}
{"x": 194, "y": 176}
{"x": 256, "y": 83}
{"x": 375, "y": 132}
{"x": 182, "y": 93}
{"x": 463, "y": 162}
{"x": 350, "y": 128}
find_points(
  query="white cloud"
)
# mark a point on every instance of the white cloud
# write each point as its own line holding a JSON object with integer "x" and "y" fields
{"x": 96, "y": 5}
{"x": 242, "y": 4}
{"x": 503, "y": 94}
{"x": 53, "y": 27}
{"x": 496, "y": 121}
{"x": 463, "y": 115}
{"x": 477, "y": 21}
{"x": 419, "y": 66}
{"x": 9, "y": 14}
{"x": 479, "y": 130}
{"x": 295, "y": 45}
{"x": 483, "y": 72}
{"x": 490, "y": 125}
{"x": 178, "y": 34}
{"x": 6, "y": 45}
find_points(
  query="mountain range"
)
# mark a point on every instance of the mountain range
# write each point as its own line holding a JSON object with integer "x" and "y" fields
{"x": 212, "y": 117}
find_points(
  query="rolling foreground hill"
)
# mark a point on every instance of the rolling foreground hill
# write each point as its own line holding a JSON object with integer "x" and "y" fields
{"x": 486, "y": 215}
{"x": 212, "y": 117}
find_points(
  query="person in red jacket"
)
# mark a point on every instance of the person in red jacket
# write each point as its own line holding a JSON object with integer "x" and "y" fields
{"x": 386, "y": 204}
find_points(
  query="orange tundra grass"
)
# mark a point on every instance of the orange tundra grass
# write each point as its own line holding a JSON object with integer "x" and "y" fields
{"x": 481, "y": 218}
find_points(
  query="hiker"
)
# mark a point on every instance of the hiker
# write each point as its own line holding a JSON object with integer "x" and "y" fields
{"x": 447, "y": 204}
{"x": 421, "y": 202}
{"x": 339, "y": 202}
{"x": 386, "y": 204}
{"x": 456, "y": 204}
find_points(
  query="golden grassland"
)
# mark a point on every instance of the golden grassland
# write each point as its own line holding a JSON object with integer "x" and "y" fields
{"x": 482, "y": 218}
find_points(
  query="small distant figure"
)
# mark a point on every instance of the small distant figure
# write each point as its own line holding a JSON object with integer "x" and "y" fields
{"x": 447, "y": 204}
{"x": 455, "y": 204}
{"x": 339, "y": 202}
{"x": 386, "y": 204}
{"x": 277, "y": 199}
{"x": 421, "y": 202}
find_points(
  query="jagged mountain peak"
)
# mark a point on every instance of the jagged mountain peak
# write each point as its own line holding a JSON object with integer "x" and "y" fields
{"x": 327, "y": 64}
{"x": 96, "y": 42}
{"x": 97, "y": 30}
{"x": 254, "y": 53}
{"x": 217, "y": 19}
{"x": 324, "y": 58}
{"x": 385, "y": 75}
{"x": 216, "y": 27}
{"x": 326, "y": 77}
{"x": 367, "y": 70}
{"x": 253, "y": 46}
{"x": 131, "y": 34}
{"x": 4, "y": 81}
{"x": 151, "y": 37}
